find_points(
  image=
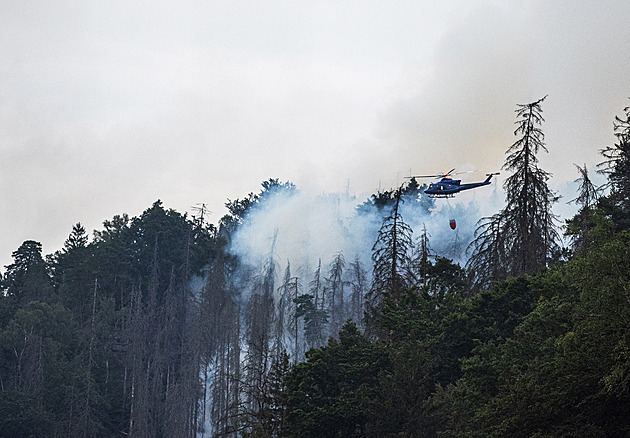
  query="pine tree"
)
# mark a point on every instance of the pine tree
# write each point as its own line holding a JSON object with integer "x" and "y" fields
{"x": 260, "y": 319}
{"x": 588, "y": 194}
{"x": 419, "y": 268}
{"x": 529, "y": 198}
{"x": 77, "y": 239}
{"x": 523, "y": 235}
{"x": 391, "y": 258}
{"x": 359, "y": 286}
{"x": 315, "y": 319}
{"x": 72, "y": 274}
{"x": 336, "y": 291}
{"x": 617, "y": 167}
{"x": 287, "y": 324}
{"x": 390, "y": 254}
{"x": 26, "y": 279}
{"x": 311, "y": 307}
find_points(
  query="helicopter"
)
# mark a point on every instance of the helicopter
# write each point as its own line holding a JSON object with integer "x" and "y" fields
{"x": 447, "y": 187}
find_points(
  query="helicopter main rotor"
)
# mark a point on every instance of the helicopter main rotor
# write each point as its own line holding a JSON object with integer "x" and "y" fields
{"x": 441, "y": 175}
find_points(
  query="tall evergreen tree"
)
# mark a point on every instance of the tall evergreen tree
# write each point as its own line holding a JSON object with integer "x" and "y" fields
{"x": 335, "y": 293}
{"x": 26, "y": 279}
{"x": 420, "y": 264}
{"x": 390, "y": 254}
{"x": 73, "y": 275}
{"x": 391, "y": 258}
{"x": 329, "y": 394}
{"x": 617, "y": 167}
{"x": 359, "y": 287}
{"x": 315, "y": 319}
{"x": 311, "y": 307}
{"x": 260, "y": 321}
{"x": 525, "y": 229}
{"x": 529, "y": 198}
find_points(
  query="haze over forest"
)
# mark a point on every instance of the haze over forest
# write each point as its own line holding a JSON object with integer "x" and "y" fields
{"x": 210, "y": 228}
{"x": 315, "y": 318}
{"x": 106, "y": 108}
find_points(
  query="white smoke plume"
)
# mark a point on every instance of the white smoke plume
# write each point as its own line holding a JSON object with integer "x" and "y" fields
{"x": 310, "y": 227}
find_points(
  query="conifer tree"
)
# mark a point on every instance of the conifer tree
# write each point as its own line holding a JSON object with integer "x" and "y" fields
{"x": 316, "y": 284}
{"x": 488, "y": 262}
{"x": 390, "y": 253}
{"x": 359, "y": 287}
{"x": 586, "y": 200}
{"x": 419, "y": 268}
{"x": 287, "y": 325}
{"x": 391, "y": 258}
{"x": 336, "y": 292}
{"x": 311, "y": 307}
{"x": 259, "y": 321}
{"x": 77, "y": 239}
{"x": 315, "y": 318}
{"x": 529, "y": 198}
{"x": 617, "y": 167}
{"x": 72, "y": 274}
{"x": 26, "y": 278}
{"x": 519, "y": 239}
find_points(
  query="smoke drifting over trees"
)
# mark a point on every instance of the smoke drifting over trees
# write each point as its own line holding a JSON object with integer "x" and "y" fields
{"x": 195, "y": 312}
{"x": 305, "y": 315}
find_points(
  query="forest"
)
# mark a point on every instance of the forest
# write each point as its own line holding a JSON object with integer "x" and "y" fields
{"x": 165, "y": 325}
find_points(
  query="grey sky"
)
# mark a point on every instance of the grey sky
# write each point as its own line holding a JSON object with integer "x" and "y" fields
{"x": 107, "y": 106}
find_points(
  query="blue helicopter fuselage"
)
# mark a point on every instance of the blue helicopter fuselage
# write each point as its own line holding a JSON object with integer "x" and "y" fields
{"x": 447, "y": 187}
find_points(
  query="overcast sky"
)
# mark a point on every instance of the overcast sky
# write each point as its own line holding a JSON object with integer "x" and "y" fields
{"x": 107, "y": 106}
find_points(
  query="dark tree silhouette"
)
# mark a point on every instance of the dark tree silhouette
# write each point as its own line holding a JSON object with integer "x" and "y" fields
{"x": 26, "y": 278}
{"x": 529, "y": 198}
{"x": 419, "y": 267}
{"x": 390, "y": 253}
{"x": 335, "y": 293}
{"x": 617, "y": 167}
{"x": 525, "y": 229}
{"x": 391, "y": 258}
{"x": 488, "y": 262}
{"x": 586, "y": 200}
{"x": 359, "y": 287}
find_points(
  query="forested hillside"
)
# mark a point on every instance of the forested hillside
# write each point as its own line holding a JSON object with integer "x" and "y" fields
{"x": 164, "y": 325}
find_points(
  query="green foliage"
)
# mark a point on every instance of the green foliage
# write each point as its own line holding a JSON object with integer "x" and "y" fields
{"x": 412, "y": 194}
{"x": 26, "y": 279}
{"x": 390, "y": 255}
{"x": 328, "y": 395}
{"x": 315, "y": 319}
{"x": 41, "y": 372}
{"x": 533, "y": 356}
{"x": 559, "y": 368}
{"x": 108, "y": 338}
{"x": 617, "y": 167}
{"x": 98, "y": 339}
{"x": 267, "y": 419}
